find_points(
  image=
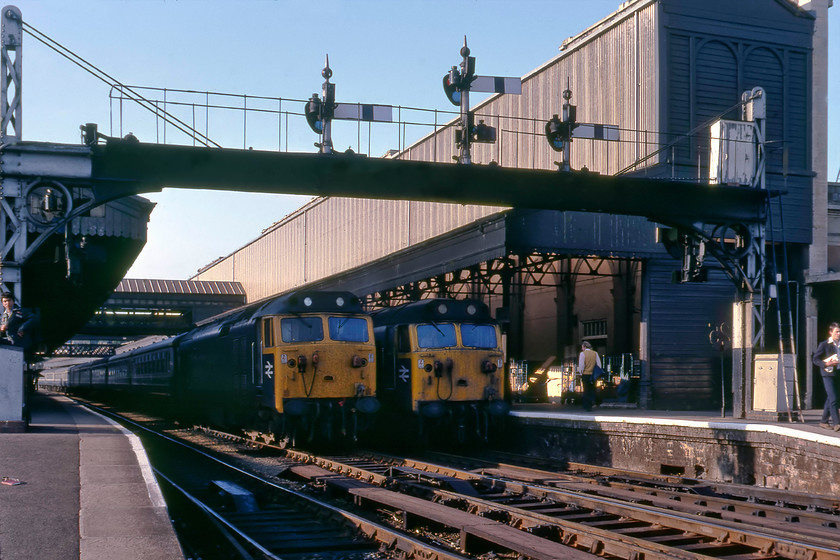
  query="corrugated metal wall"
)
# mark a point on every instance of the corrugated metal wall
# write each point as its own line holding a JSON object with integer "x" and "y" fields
{"x": 331, "y": 235}
{"x": 684, "y": 367}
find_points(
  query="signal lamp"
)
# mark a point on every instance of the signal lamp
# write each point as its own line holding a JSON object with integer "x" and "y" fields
{"x": 312, "y": 108}
{"x": 451, "y": 82}
{"x": 557, "y": 133}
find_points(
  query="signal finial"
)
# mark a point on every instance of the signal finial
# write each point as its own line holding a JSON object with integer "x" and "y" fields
{"x": 326, "y": 72}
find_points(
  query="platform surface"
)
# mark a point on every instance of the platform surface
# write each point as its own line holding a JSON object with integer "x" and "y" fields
{"x": 86, "y": 490}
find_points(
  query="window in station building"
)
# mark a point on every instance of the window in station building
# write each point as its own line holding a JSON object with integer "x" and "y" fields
{"x": 594, "y": 329}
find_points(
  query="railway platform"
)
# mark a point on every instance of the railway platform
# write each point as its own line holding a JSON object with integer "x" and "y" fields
{"x": 75, "y": 485}
{"x": 796, "y": 455}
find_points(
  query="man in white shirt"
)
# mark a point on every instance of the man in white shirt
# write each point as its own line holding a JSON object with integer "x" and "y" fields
{"x": 587, "y": 361}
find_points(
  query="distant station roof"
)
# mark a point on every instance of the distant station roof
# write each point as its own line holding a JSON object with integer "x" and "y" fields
{"x": 204, "y": 287}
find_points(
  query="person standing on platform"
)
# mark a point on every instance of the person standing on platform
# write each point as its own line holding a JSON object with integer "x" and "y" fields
{"x": 825, "y": 357}
{"x": 15, "y": 323}
{"x": 587, "y": 361}
{"x": 6, "y": 317}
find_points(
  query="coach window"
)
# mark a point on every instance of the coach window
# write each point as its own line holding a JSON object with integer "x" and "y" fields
{"x": 268, "y": 332}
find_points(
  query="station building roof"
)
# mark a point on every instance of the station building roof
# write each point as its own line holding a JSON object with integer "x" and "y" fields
{"x": 203, "y": 287}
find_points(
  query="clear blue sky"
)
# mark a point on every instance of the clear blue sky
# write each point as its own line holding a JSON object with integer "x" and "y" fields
{"x": 381, "y": 51}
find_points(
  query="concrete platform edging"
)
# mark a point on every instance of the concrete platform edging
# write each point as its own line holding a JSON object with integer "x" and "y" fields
{"x": 155, "y": 494}
{"x": 799, "y": 457}
{"x": 116, "y": 486}
{"x": 794, "y": 430}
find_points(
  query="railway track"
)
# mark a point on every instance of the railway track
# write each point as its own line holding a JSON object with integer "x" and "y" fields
{"x": 583, "y": 517}
{"x": 460, "y": 507}
{"x": 226, "y": 511}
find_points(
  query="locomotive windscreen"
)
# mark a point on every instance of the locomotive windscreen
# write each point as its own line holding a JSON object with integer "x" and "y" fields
{"x": 348, "y": 329}
{"x": 301, "y": 329}
{"x": 436, "y": 335}
{"x": 478, "y": 336}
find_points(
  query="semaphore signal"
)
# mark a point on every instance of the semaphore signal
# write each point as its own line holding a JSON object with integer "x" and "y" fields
{"x": 320, "y": 111}
{"x": 559, "y": 133}
{"x": 457, "y": 85}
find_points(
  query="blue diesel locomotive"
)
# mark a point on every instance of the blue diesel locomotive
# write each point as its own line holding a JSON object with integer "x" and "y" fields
{"x": 300, "y": 366}
{"x": 440, "y": 369}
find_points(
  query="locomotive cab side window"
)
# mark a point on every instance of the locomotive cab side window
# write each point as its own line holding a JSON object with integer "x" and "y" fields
{"x": 268, "y": 332}
{"x": 301, "y": 329}
{"x": 478, "y": 336}
{"x": 348, "y": 329}
{"x": 436, "y": 335}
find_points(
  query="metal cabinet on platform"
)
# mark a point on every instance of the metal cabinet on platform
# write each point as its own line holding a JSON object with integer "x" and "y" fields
{"x": 774, "y": 389}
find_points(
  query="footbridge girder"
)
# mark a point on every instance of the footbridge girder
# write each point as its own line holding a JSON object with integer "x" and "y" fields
{"x": 121, "y": 167}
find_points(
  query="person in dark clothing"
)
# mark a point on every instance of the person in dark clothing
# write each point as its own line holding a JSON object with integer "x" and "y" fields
{"x": 825, "y": 357}
{"x": 16, "y": 324}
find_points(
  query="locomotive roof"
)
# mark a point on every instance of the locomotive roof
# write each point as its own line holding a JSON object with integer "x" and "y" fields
{"x": 311, "y": 301}
{"x": 291, "y": 302}
{"x": 433, "y": 310}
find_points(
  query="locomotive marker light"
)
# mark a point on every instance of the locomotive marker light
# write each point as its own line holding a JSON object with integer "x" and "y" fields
{"x": 559, "y": 133}
{"x": 321, "y": 111}
{"x": 457, "y": 85}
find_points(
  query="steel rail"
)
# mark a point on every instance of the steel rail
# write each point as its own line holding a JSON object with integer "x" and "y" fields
{"x": 631, "y": 487}
{"x": 390, "y": 538}
{"x": 718, "y": 530}
{"x": 831, "y": 503}
{"x": 733, "y": 531}
{"x": 221, "y": 523}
